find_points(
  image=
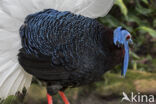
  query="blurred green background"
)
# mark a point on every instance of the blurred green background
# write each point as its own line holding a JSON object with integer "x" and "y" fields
{"x": 139, "y": 18}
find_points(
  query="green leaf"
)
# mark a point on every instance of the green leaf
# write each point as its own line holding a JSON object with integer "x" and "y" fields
{"x": 142, "y": 10}
{"x": 151, "y": 31}
{"x": 135, "y": 19}
{"x": 122, "y": 6}
{"x": 134, "y": 55}
{"x": 145, "y": 1}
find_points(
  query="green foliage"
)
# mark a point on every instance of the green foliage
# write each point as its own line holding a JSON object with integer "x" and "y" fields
{"x": 139, "y": 18}
{"x": 123, "y": 7}
{"x": 149, "y": 30}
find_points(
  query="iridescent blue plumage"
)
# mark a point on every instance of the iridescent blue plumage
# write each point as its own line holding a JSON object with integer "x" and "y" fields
{"x": 50, "y": 31}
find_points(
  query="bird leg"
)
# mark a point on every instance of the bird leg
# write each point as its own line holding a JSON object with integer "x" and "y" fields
{"x": 64, "y": 98}
{"x": 49, "y": 98}
{"x": 53, "y": 89}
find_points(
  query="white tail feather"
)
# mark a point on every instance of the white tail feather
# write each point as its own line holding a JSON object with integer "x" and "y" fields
{"x": 12, "y": 13}
{"x": 13, "y": 79}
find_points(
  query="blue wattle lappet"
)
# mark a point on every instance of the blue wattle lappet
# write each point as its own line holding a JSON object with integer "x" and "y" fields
{"x": 123, "y": 38}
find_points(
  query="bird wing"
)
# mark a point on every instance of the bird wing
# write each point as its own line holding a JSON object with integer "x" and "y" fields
{"x": 12, "y": 14}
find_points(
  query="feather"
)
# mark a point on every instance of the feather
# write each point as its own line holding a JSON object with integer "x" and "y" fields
{"x": 13, "y": 79}
{"x": 12, "y": 76}
{"x": 12, "y": 14}
{"x": 89, "y": 8}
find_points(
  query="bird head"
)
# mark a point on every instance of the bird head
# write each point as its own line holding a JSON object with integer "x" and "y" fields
{"x": 122, "y": 38}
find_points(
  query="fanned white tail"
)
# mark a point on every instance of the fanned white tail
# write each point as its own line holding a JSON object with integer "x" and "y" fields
{"x": 12, "y": 14}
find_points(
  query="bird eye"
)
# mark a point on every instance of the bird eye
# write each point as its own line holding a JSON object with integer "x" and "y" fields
{"x": 128, "y": 37}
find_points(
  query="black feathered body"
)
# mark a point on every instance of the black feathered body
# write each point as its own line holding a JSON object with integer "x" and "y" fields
{"x": 65, "y": 49}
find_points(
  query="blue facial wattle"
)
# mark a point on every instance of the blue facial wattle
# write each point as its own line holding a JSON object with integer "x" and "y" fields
{"x": 122, "y": 37}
